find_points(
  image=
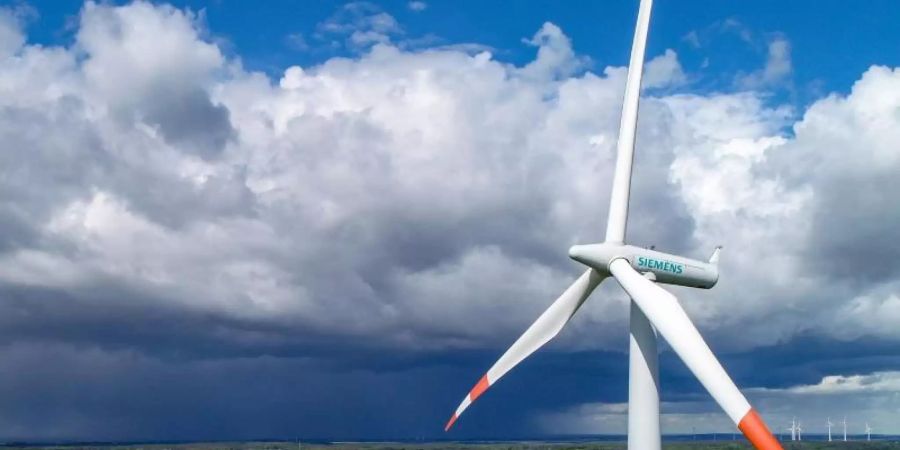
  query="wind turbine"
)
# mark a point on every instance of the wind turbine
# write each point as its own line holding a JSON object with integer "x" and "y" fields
{"x": 799, "y": 430}
{"x": 868, "y": 432}
{"x": 793, "y": 428}
{"x": 653, "y": 309}
{"x": 828, "y": 422}
{"x": 845, "y": 428}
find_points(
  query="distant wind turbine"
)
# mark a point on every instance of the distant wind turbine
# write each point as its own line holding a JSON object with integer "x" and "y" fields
{"x": 828, "y": 421}
{"x": 799, "y": 431}
{"x": 793, "y": 428}
{"x": 845, "y": 428}
{"x": 868, "y": 432}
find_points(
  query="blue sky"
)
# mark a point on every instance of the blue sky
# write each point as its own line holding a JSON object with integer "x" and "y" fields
{"x": 236, "y": 220}
{"x": 831, "y": 43}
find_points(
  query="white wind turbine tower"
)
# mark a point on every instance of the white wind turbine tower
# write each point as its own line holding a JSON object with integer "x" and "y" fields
{"x": 799, "y": 431}
{"x": 828, "y": 422}
{"x": 868, "y": 432}
{"x": 845, "y": 428}
{"x": 793, "y": 428}
{"x": 653, "y": 309}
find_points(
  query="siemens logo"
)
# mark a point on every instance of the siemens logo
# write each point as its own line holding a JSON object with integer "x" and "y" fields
{"x": 665, "y": 266}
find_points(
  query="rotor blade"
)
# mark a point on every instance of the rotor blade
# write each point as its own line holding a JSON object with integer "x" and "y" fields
{"x": 670, "y": 320}
{"x": 618, "y": 202}
{"x": 546, "y": 327}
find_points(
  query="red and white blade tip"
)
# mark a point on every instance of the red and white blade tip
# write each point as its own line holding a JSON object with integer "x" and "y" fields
{"x": 757, "y": 433}
{"x": 473, "y": 394}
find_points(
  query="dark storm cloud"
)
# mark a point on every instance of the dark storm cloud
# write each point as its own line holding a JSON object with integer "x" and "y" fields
{"x": 854, "y": 234}
{"x": 80, "y": 393}
{"x": 175, "y": 202}
{"x": 804, "y": 360}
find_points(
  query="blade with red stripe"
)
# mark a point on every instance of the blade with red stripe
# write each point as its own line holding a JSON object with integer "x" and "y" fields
{"x": 545, "y": 328}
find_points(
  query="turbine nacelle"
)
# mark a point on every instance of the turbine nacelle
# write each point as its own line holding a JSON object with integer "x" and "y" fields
{"x": 666, "y": 268}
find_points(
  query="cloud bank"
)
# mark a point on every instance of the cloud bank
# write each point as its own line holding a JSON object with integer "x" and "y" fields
{"x": 161, "y": 203}
{"x": 871, "y": 398}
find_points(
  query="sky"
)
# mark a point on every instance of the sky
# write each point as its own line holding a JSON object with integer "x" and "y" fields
{"x": 325, "y": 220}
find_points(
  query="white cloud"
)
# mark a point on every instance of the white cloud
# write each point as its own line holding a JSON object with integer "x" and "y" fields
{"x": 777, "y": 69}
{"x": 778, "y": 62}
{"x": 146, "y": 63}
{"x": 11, "y": 37}
{"x": 732, "y": 25}
{"x": 361, "y": 24}
{"x": 555, "y": 58}
{"x": 426, "y": 199}
{"x": 692, "y": 38}
{"x": 877, "y": 382}
{"x": 663, "y": 71}
{"x": 417, "y": 6}
{"x": 872, "y": 398}
{"x": 297, "y": 41}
